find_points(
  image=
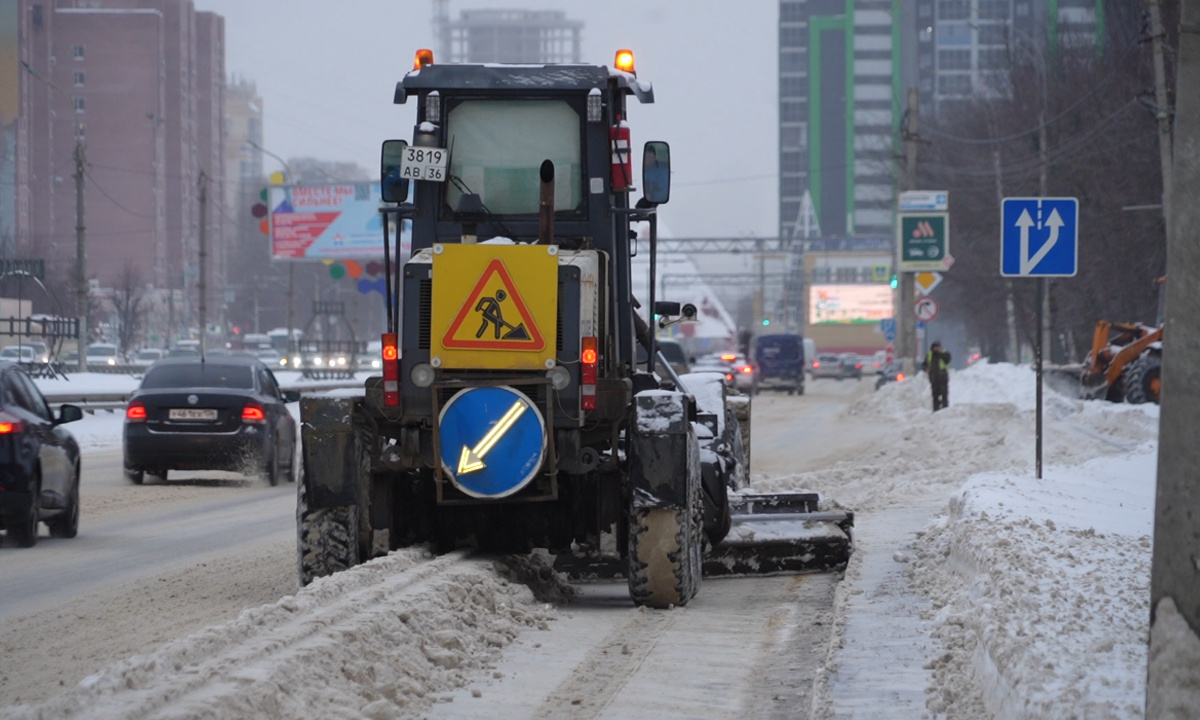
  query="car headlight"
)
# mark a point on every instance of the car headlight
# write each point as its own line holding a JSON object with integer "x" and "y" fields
{"x": 112, "y": 361}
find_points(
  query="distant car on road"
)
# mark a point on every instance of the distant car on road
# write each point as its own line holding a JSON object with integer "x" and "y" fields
{"x": 672, "y": 351}
{"x": 148, "y": 356}
{"x": 103, "y": 354}
{"x": 19, "y": 354}
{"x": 828, "y": 365}
{"x": 781, "y": 362}
{"x": 39, "y": 462}
{"x": 225, "y": 413}
{"x": 852, "y": 366}
{"x": 892, "y": 372}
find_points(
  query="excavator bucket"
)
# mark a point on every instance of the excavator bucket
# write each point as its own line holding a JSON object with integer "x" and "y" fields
{"x": 781, "y": 533}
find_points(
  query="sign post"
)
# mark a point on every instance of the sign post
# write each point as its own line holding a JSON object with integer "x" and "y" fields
{"x": 1039, "y": 238}
{"x": 922, "y": 245}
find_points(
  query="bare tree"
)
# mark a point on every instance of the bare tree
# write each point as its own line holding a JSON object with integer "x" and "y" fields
{"x": 127, "y": 303}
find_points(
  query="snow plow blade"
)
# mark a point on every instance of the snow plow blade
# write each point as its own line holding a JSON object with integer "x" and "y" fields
{"x": 781, "y": 533}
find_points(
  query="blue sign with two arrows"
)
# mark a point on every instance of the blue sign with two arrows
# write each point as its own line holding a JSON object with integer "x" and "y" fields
{"x": 1039, "y": 237}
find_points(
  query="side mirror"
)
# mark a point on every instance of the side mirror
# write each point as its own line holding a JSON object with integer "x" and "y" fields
{"x": 393, "y": 187}
{"x": 656, "y": 172}
{"x": 69, "y": 413}
{"x": 291, "y": 396}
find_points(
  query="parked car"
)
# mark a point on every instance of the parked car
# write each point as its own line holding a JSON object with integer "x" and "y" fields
{"x": 271, "y": 358}
{"x": 39, "y": 462}
{"x": 148, "y": 356}
{"x": 184, "y": 351}
{"x": 103, "y": 354}
{"x": 780, "y": 362}
{"x": 225, "y": 413}
{"x": 892, "y": 372}
{"x": 828, "y": 365}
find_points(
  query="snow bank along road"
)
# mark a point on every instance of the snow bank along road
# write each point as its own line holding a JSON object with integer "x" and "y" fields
{"x": 179, "y": 601}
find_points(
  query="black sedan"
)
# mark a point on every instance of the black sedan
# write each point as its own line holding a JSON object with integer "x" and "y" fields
{"x": 218, "y": 413}
{"x": 39, "y": 462}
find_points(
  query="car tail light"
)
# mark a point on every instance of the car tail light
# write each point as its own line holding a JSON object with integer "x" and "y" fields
{"x": 136, "y": 412}
{"x": 729, "y": 377}
{"x": 391, "y": 370}
{"x": 254, "y": 414}
{"x": 10, "y": 425}
{"x": 816, "y": 364}
{"x": 729, "y": 358}
{"x": 588, "y": 365}
{"x": 747, "y": 369}
{"x": 899, "y": 377}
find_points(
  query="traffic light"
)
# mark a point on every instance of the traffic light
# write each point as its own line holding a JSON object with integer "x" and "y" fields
{"x": 766, "y": 322}
{"x": 260, "y": 210}
{"x": 895, "y": 281}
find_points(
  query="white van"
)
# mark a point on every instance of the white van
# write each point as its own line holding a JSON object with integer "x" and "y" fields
{"x": 810, "y": 354}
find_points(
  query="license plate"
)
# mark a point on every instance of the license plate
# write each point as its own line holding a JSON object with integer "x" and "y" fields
{"x": 424, "y": 163}
{"x": 192, "y": 414}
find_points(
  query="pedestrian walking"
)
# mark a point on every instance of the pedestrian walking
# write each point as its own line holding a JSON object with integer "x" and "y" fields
{"x": 937, "y": 367}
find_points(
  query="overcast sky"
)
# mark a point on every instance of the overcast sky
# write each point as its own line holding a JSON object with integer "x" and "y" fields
{"x": 326, "y": 70}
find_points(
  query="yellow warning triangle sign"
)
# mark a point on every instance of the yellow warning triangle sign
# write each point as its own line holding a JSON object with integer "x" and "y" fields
{"x": 494, "y": 317}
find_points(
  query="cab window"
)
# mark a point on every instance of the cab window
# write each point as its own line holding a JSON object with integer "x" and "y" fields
{"x": 497, "y": 148}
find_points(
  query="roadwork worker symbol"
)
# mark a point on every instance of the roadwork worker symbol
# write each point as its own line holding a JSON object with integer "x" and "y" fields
{"x": 493, "y": 315}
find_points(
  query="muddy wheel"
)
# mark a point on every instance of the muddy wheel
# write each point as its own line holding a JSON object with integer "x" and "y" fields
{"x": 327, "y": 539}
{"x": 134, "y": 476}
{"x": 1143, "y": 381}
{"x": 717, "y": 519}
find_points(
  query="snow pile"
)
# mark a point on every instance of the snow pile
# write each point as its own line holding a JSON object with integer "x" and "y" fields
{"x": 1034, "y": 592}
{"x": 381, "y": 640}
{"x": 1040, "y": 592}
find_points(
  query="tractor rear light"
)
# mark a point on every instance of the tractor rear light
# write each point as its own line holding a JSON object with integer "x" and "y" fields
{"x": 594, "y": 106}
{"x": 433, "y": 107}
{"x": 136, "y": 412}
{"x": 588, "y": 371}
{"x": 391, "y": 370}
{"x": 254, "y": 414}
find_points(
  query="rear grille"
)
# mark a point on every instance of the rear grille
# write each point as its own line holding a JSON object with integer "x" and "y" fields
{"x": 535, "y": 393}
{"x": 425, "y": 313}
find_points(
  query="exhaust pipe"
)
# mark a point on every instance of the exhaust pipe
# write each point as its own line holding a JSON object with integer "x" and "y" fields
{"x": 546, "y": 204}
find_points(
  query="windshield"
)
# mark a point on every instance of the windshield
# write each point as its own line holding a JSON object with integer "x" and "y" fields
{"x": 102, "y": 351}
{"x": 198, "y": 375}
{"x": 497, "y": 148}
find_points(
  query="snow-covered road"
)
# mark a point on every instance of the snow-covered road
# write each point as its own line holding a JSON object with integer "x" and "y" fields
{"x": 976, "y": 591}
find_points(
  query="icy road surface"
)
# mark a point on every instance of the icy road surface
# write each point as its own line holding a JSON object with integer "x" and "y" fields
{"x": 975, "y": 591}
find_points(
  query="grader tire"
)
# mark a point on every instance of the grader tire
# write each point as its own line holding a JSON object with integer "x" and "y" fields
{"x": 1143, "y": 380}
{"x": 327, "y": 539}
{"x": 664, "y": 557}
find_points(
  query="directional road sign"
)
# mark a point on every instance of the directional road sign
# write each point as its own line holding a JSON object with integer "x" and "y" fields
{"x": 888, "y": 326}
{"x": 1039, "y": 237}
{"x": 924, "y": 200}
{"x": 926, "y": 309}
{"x": 492, "y": 441}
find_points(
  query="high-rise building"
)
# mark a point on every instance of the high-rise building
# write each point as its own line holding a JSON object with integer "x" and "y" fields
{"x": 837, "y": 115}
{"x": 507, "y": 36}
{"x": 139, "y": 86}
{"x": 965, "y": 47}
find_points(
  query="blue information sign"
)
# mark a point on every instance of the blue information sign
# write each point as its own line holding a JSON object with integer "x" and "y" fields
{"x": 492, "y": 441}
{"x": 888, "y": 326}
{"x": 1039, "y": 237}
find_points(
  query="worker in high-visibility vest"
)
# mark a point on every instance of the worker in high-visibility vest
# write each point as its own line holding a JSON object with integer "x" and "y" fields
{"x": 937, "y": 367}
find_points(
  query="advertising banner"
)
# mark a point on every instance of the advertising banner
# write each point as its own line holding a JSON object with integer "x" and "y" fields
{"x": 323, "y": 222}
{"x": 849, "y": 304}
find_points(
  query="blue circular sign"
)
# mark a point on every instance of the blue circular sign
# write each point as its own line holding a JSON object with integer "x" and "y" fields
{"x": 493, "y": 441}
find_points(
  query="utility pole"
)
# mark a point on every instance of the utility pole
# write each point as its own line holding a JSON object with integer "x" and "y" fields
{"x": 203, "y": 257}
{"x": 1173, "y": 668}
{"x": 81, "y": 284}
{"x": 1010, "y": 311}
{"x": 905, "y": 321}
{"x": 1162, "y": 112}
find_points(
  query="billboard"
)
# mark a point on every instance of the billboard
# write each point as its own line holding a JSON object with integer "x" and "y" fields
{"x": 326, "y": 222}
{"x": 849, "y": 304}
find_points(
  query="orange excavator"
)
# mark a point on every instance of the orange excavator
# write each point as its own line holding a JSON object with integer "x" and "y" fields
{"x": 1125, "y": 363}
